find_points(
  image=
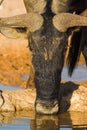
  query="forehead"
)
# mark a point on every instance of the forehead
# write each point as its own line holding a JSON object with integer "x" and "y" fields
{"x": 57, "y": 6}
{"x": 36, "y": 6}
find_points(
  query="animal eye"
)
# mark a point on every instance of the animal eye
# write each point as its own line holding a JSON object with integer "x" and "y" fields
{"x": 21, "y": 29}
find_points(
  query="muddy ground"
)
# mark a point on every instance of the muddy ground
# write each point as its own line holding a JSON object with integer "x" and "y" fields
{"x": 14, "y": 62}
{"x": 14, "y": 54}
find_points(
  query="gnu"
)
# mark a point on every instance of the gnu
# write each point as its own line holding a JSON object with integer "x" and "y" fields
{"x": 47, "y": 25}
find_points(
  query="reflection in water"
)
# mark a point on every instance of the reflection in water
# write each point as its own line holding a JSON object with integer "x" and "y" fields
{"x": 57, "y": 122}
{"x": 31, "y": 121}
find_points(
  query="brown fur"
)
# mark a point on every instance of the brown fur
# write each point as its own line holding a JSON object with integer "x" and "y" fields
{"x": 36, "y": 6}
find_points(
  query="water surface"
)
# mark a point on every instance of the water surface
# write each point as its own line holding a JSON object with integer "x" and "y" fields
{"x": 28, "y": 120}
{"x": 79, "y": 74}
{"x": 5, "y": 87}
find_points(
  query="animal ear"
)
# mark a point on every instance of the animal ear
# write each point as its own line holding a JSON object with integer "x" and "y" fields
{"x": 14, "y": 32}
{"x": 19, "y": 26}
{"x": 63, "y": 21}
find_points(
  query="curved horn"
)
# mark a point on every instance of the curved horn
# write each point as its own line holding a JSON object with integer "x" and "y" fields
{"x": 32, "y": 21}
{"x": 19, "y": 26}
{"x": 63, "y": 21}
{"x": 26, "y": 3}
{"x": 1, "y": 1}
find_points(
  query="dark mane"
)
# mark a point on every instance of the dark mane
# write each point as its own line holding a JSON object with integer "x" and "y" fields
{"x": 74, "y": 52}
{"x": 76, "y": 43}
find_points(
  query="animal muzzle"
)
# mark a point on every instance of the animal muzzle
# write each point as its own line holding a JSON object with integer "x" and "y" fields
{"x": 47, "y": 82}
{"x": 46, "y": 107}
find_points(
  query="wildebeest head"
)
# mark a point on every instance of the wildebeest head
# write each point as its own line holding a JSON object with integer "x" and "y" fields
{"x": 46, "y": 25}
